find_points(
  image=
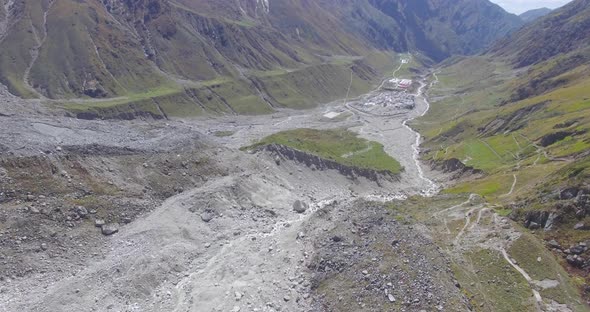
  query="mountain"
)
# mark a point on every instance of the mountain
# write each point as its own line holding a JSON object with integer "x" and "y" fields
{"x": 178, "y": 57}
{"x": 534, "y": 14}
{"x": 561, "y": 32}
{"x": 442, "y": 28}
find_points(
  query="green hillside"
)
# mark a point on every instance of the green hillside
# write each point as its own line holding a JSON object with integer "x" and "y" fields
{"x": 526, "y": 127}
{"x": 112, "y": 59}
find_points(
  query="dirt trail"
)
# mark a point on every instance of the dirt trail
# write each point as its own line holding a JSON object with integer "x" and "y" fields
{"x": 492, "y": 235}
{"x": 513, "y": 185}
{"x": 527, "y": 277}
{"x": 349, "y": 86}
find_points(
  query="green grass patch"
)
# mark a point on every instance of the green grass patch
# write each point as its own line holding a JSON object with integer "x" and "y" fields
{"x": 527, "y": 251}
{"x": 339, "y": 145}
{"x": 489, "y": 187}
{"x": 135, "y": 97}
{"x": 492, "y": 284}
{"x": 503, "y": 212}
{"x": 222, "y": 134}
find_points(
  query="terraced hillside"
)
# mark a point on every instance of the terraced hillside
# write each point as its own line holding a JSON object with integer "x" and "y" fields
{"x": 523, "y": 129}
{"x": 159, "y": 58}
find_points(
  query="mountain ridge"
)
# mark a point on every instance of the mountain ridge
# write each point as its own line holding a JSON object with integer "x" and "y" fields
{"x": 560, "y": 32}
{"x": 534, "y": 14}
{"x": 66, "y": 49}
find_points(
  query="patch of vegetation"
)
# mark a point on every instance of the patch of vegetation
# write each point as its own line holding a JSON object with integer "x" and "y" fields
{"x": 298, "y": 89}
{"x": 421, "y": 208}
{"x": 492, "y": 284}
{"x": 339, "y": 145}
{"x": 492, "y": 186}
{"x": 221, "y": 134}
{"x": 503, "y": 212}
{"x": 527, "y": 251}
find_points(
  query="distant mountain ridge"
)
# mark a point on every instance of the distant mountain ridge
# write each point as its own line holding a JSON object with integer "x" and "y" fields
{"x": 534, "y": 14}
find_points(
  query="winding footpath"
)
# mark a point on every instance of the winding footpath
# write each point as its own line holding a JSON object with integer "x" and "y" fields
{"x": 461, "y": 241}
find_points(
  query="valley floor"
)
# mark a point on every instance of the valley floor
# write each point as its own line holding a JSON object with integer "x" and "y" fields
{"x": 227, "y": 238}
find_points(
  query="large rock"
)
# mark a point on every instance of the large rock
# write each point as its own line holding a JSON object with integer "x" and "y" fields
{"x": 575, "y": 260}
{"x": 553, "y": 244}
{"x": 578, "y": 249}
{"x": 207, "y": 216}
{"x": 568, "y": 193}
{"x": 534, "y": 225}
{"x": 551, "y": 220}
{"x": 299, "y": 206}
{"x": 581, "y": 226}
{"x": 109, "y": 229}
{"x": 82, "y": 211}
{"x": 536, "y": 219}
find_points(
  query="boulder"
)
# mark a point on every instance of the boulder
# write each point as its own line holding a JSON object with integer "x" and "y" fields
{"x": 578, "y": 249}
{"x": 553, "y": 244}
{"x": 581, "y": 226}
{"x": 583, "y": 201}
{"x": 299, "y": 206}
{"x": 534, "y": 225}
{"x": 575, "y": 260}
{"x": 82, "y": 211}
{"x": 551, "y": 220}
{"x": 536, "y": 219}
{"x": 109, "y": 229}
{"x": 207, "y": 217}
{"x": 568, "y": 193}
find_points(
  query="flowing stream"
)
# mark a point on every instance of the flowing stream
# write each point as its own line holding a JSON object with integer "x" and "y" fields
{"x": 432, "y": 188}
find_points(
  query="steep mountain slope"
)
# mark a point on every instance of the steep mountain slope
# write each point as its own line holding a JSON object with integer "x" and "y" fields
{"x": 444, "y": 27}
{"x": 524, "y": 127}
{"x": 179, "y": 57}
{"x": 534, "y": 14}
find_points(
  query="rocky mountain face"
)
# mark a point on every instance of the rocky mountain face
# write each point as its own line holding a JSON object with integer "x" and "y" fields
{"x": 534, "y": 14}
{"x": 443, "y": 27}
{"x": 99, "y": 49}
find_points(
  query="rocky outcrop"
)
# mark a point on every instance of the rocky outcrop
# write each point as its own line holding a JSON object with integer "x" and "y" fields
{"x": 570, "y": 203}
{"x": 456, "y": 167}
{"x": 536, "y": 219}
{"x": 553, "y": 138}
{"x": 318, "y": 163}
{"x": 512, "y": 122}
